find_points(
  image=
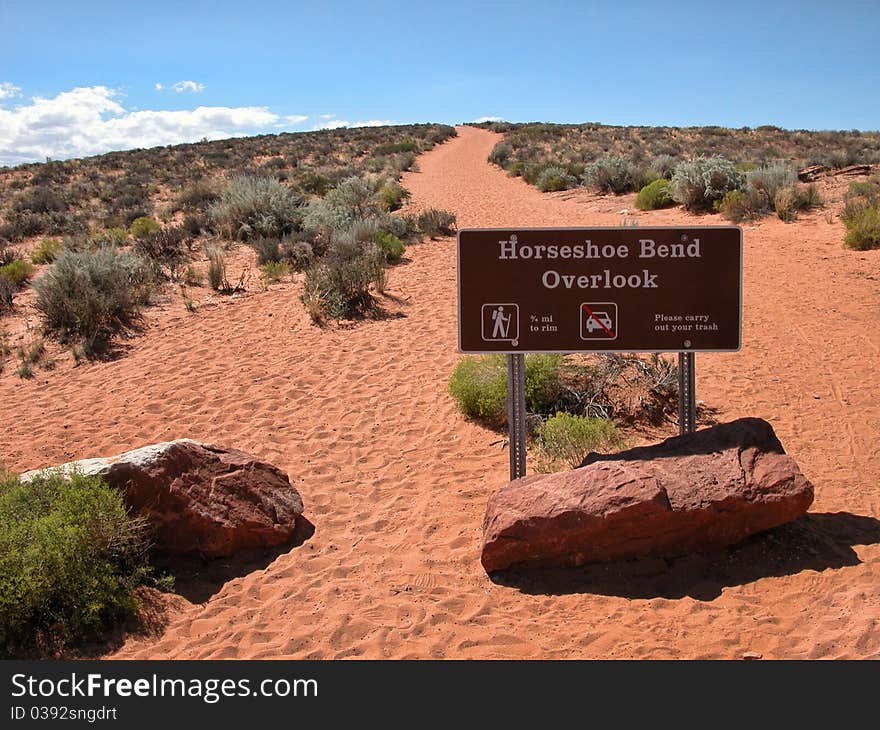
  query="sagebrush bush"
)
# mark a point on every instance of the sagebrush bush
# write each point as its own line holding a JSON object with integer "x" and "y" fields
{"x": 613, "y": 174}
{"x": 478, "y": 385}
{"x": 340, "y": 284}
{"x": 555, "y": 178}
{"x": 8, "y": 290}
{"x": 268, "y": 250}
{"x": 87, "y": 297}
{"x": 115, "y": 237}
{"x": 433, "y": 222}
{"x": 698, "y": 183}
{"x": 655, "y": 195}
{"x": 738, "y": 205}
{"x": 564, "y": 440}
{"x": 168, "y": 247}
{"x": 766, "y": 181}
{"x": 70, "y": 559}
{"x": 794, "y": 198}
{"x": 46, "y": 251}
{"x": 256, "y": 206}
{"x": 299, "y": 254}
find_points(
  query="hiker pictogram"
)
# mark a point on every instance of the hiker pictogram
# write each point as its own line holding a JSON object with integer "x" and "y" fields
{"x": 501, "y": 323}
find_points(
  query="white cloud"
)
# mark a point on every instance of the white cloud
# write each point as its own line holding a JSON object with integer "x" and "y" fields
{"x": 193, "y": 86}
{"x": 332, "y": 124}
{"x": 481, "y": 120}
{"x": 327, "y": 116}
{"x": 372, "y": 123}
{"x": 295, "y": 118}
{"x": 159, "y": 86}
{"x": 8, "y": 90}
{"x": 340, "y": 123}
{"x": 91, "y": 120}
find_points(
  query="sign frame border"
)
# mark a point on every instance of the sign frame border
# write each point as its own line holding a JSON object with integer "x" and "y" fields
{"x": 514, "y": 229}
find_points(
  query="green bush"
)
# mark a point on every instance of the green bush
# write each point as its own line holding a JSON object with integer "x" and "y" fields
{"x": 275, "y": 270}
{"x": 655, "y": 195}
{"x": 257, "y": 206}
{"x": 863, "y": 229}
{"x": 216, "y": 269}
{"x": 392, "y": 195}
{"x": 115, "y": 237}
{"x": 47, "y": 251}
{"x": 555, "y": 178}
{"x": 564, "y": 440}
{"x": 70, "y": 559}
{"x": 698, "y": 183}
{"x": 88, "y": 297}
{"x": 479, "y": 386}
{"x": 142, "y": 226}
{"x": 391, "y": 246}
{"x": 17, "y": 271}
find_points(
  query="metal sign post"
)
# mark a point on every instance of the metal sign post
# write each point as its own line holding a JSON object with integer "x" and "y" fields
{"x": 516, "y": 414}
{"x": 687, "y": 399}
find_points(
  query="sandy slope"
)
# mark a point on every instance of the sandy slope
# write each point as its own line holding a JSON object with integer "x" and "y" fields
{"x": 396, "y": 481}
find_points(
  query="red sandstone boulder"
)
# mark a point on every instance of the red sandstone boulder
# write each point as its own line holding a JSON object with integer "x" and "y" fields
{"x": 201, "y": 498}
{"x": 691, "y": 493}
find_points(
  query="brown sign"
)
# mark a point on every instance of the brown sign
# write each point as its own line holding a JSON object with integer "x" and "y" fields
{"x": 600, "y": 289}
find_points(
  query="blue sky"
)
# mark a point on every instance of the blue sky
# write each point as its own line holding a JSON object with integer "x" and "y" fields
{"x": 82, "y": 77}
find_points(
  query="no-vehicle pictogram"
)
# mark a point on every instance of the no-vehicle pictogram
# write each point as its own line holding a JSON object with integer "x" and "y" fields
{"x": 598, "y": 321}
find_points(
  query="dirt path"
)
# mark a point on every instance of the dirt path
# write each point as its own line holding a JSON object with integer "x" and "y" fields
{"x": 396, "y": 481}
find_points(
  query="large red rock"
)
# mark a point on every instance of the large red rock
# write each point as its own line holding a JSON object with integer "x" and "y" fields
{"x": 201, "y": 498}
{"x": 691, "y": 493}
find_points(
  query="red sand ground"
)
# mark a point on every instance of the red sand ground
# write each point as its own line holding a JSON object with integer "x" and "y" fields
{"x": 396, "y": 481}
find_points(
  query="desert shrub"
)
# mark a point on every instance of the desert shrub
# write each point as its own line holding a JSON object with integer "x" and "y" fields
{"x": 392, "y": 195}
{"x": 655, "y": 195}
{"x": 738, "y": 205}
{"x": 268, "y": 250}
{"x": 167, "y": 247}
{"x": 47, "y": 251}
{"x": 113, "y": 237}
{"x": 860, "y": 196}
{"x": 479, "y": 386}
{"x": 40, "y": 200}
{"x": 500, "y": 154}
{"x": 663, "y": 166}
{"x": 17, "y": 271}
{"x": 565, "y": 439}
{"x": 863, "y": 229}
{"x": 614, "y": 174}
{"x": 354, "y": 199}
{"x": 70, "y": 559}
{"x": 197, "y": 196}
{"x": 275, "y": 270}
{"x": 433, "y": 222}
{"x": 794, "y": 198}
{"x": 256, "y": 206}
{"x": 339, "y": 284}
{"x": 391, "y": 246}
{"x": 216, "y": 269}
{"x": 194, "y": 224}
{"x": 769, "y": 180}
{"x": 555, "y": 178}
{"x": 89, "y": 296}
{"x": 140, "y": 227}
{"x": 299, "y": 254}
{"x": 8, "y": 290}
{"x": 698, "y": 183}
